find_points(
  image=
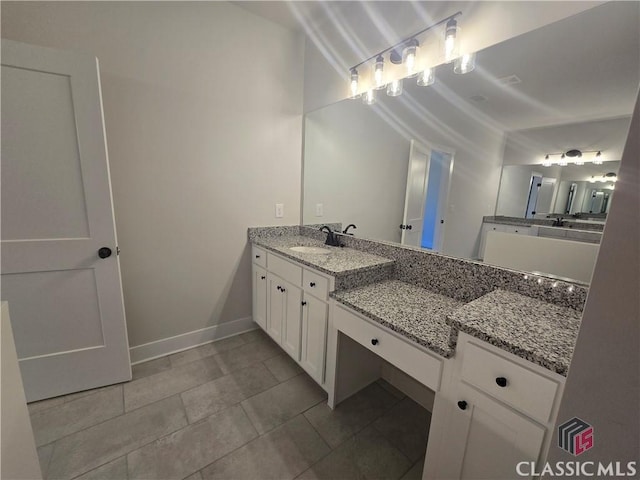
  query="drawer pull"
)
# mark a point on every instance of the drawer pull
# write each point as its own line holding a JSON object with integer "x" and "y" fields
{"x": 462, "y": 405}
{"x": 304, "y": 303}
{"x": 501, "y": 381}
{"x": 312, "y": 284}
{"x": 374, "y": 341}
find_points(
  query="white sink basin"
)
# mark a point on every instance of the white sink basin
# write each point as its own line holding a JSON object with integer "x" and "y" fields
{"x": 313, "y": 250}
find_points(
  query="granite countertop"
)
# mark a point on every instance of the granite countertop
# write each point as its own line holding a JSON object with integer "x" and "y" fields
{"x": 341, "y": 261}
{"x": 569, "y": 223}
{"x": 537, "y": 331}
{"x": 532, "y": 329}
{"x": 411, "y": 311}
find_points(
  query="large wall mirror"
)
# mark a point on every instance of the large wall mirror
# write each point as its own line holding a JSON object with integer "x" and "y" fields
{"x": 476, "y": 140}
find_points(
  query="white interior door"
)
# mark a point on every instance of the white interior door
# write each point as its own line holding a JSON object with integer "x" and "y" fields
{"x": 417, "y": 174}
{"x": 66, "y": 303}
{"x": 437, "y": 194}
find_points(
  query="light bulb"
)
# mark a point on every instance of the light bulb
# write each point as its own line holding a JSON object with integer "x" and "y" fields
{"x": 450, "y": 40}
{"x": 547, "y": 163}
{"x": 369, "y": 97}
{"x": 354, "y": 83}
{"x": 394, "y": 88}
{"x": 465, "y": 64}
{"x": 378, "y": 72}
{"x": 563, "y": 161}
{"x": 426, "y": 77}
{"x": 410, "y": 56}
{"x": 598, "y": 159}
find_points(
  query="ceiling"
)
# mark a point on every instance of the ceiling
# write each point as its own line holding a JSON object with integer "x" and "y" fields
{"x": 292, "y": 15}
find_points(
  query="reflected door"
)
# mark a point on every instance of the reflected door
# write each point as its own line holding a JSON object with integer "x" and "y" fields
{"x": 417, "y": 174}
{"x": 60, "y": 270}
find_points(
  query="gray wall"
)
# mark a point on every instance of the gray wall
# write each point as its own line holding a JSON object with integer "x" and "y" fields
{"x": 603, "y": 386}
{"x": 203, "y": 105}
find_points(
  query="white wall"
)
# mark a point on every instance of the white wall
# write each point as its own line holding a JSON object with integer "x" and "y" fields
{"x": 603, "y": 386}
{"x": 356, "y": 166}
{"x": 365, "y": 28}
{"x": 203, "y": 104}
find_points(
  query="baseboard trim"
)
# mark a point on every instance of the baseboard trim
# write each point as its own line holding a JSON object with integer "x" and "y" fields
{"x": 184, "y": 341}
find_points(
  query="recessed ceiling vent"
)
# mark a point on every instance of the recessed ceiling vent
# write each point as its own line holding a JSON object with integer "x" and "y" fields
{"x": 510, "y": 80}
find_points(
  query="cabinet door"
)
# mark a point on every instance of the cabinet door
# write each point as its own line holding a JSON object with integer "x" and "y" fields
{"x": 488, "y": 439}
{"x": 314, "y": 337}
{"x": 260, "y": 296}
{"x": 486, "y": 228}
{"x": 291, "y": 319}
{"x": 275, "y": 308}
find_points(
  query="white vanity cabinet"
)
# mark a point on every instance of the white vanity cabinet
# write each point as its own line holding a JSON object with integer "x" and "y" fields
{"x": 499, "y": 227}
{"x": 290, "y": 302}
{"x": 494, "y": 411}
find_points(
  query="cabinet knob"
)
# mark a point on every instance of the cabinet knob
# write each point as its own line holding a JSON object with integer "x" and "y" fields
{"x": 312, "y": 284}
{"x": 304, "y": 303}
{"x": 279, "y": 287}
{"x": 374, "y": 341}
{"x": 501, "y": 381}
{"x": 262, "y": 277}
{"x": 257, "y": 256}
{"x": 462, "y": 405}
{"x": 282, "y": 290}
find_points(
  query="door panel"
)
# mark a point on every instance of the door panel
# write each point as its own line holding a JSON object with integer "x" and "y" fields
{"x": 276, "y": 308}
{"x": 415, "y": 195}
{"x": 314, "y": 337}
{"x": 66, "y": 301}
{"x": 260, "y": 296}
{"x": 292, "y": 321}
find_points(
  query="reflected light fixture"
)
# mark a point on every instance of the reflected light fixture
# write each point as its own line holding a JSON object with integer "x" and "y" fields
{"x": 465, "y": 63}
{"x": 574, "y": 153}
{"x": 394, "y": 88}
{"x": 598, "y": 159}
{"x": 354, "y": 83}
{"x": 379, "y": 72}
{"x": 369, "y": 97}
{"x": 563, "y": 161}
{"x": 426, "y": 77}
{"x": 547, "y": 162}
{"x": 409, "y": 56}
{"x": 451, "y": 40}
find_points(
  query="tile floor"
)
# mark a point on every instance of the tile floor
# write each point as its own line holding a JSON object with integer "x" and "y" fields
{"x": 238, "y": 408}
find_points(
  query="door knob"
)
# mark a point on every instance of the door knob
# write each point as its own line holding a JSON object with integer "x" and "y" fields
{"x": 312, "y": 284}
{"x": 104, "y": 252}
{"x": 408, "y": 227}
{"x": 501, "y": 381}
{"x": 462, "y": 405}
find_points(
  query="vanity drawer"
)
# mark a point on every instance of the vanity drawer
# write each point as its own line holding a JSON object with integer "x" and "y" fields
{"x": 259, "y": 256}
{"x": 412, "y": 360}
{"x": 284, "y": 269}
{"x": 515, "y": 385}
{"x": 315, "y": 284}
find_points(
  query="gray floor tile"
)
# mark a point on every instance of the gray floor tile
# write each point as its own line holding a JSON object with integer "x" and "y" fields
{"x": 164, "y": 384}
{"x": 275, "y": 406}
{"x": 188, "y": 450}
{"x": 88, "y": 449}
{"x": 352, "y": 415}
{"x": 283, "y": 367}
{"x": 69, "y": 417}
{"x": 114, "y": 470}
{"x": 249, "y": 354}
{"x": 223, "y": 392}
{"x": 40, "y": 405}
{"x": 253, "y": 335}
{"x": 151, "y": 367}
{"x": 406, "y": 426}
{"x": 202, "y": 351}
{"x": 390, "y": 388}
{"x": 281, "y": 454}
{"x": 415, "y": 473}
{"x": 195, "y": 476}
{"x": 44, "y": 456}
{"x": 366, "y": 456}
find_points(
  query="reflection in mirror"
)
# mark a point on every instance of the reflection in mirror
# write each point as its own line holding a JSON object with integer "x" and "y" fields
{"x": 425, "y": 168}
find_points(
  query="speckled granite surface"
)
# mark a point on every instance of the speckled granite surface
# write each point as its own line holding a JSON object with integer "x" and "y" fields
{"x": 569, "y": 222}
{"x": 537, "y": 331}
{"x": 341, "y": 262}
{"x": 411, "y": 311}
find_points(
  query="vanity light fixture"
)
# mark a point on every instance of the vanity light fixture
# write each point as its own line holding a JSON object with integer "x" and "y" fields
{"x": 379, "y": 72}
{"x": 369, "y": 97}
{"x": 405, "y": 52}
{"x": 574, "y": 153}
{"x": 598, "y": 159}
{"x": 451, "y": 40}
{"x": 426, "y": 77}
{"x": 562, "y": 162}
{"x": 354, "y": 83}
{"x": 547, "y": 162}
{"x": 394, "y": 88}
{"x": 465, "y": 63}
